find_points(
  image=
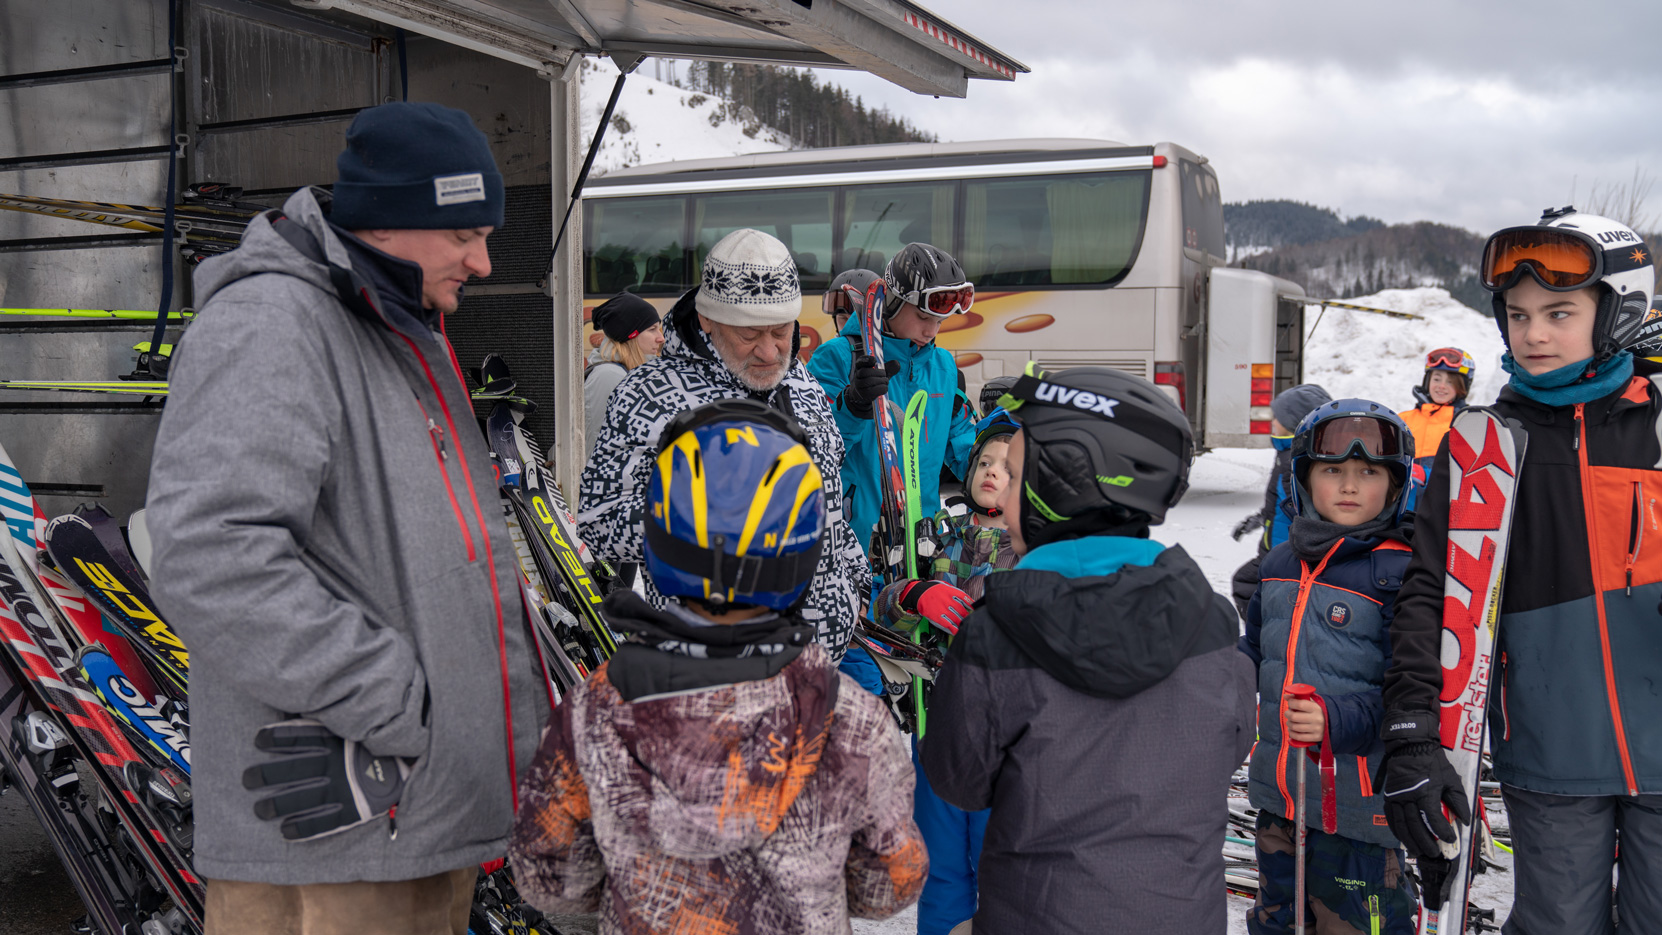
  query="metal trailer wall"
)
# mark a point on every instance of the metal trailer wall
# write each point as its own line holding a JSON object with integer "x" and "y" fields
{"x": 266, "y": 91}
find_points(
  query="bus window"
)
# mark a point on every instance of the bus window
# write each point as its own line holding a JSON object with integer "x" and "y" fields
{"x": 880, "y": 219}
{"x": 1053, "y": 230}
{"x": 1202, "y": 209}
{"x": 801, "y": 219}
{"x": 634, "y": 244}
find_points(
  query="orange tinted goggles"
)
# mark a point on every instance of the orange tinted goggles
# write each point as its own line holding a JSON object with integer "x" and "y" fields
{"x": 1560, "y": 260}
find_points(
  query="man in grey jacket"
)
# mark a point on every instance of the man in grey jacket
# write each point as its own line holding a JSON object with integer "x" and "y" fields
{"x": 329, "y": 544}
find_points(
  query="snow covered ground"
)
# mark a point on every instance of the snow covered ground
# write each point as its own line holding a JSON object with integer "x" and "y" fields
{"x": 1379, "y": 357}
{"x": 1351, "y": 354}
{"x": 656, "y": 121}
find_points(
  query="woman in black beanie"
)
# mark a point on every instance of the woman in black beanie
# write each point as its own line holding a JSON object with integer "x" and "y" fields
{"x": 631, "y": 332}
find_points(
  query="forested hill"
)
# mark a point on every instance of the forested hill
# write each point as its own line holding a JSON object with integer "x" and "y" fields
{"x": 1256, "y": 226}
{"x": 1400, "y": 256}
{"x": 794, "y": 102}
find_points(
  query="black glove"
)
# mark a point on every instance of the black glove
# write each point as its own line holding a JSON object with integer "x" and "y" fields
{"x": 1417, "y": 781}
{"x": 1252, "y": 523}
{"x": 321, "y": 783}
{"x": 867, "y": 382}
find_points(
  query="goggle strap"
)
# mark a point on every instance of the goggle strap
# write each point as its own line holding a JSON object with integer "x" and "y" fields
{"x": 741, "y": 574}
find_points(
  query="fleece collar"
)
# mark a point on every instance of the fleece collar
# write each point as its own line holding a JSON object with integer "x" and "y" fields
{"x": 1570, "y": 384}
{"x": 1091, "y": 556}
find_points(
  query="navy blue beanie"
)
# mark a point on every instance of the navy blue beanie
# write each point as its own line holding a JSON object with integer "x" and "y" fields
{"x": 416, "y": 166}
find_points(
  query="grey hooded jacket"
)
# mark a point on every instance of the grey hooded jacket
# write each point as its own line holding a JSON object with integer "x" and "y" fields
{"x": 329, "y": 543}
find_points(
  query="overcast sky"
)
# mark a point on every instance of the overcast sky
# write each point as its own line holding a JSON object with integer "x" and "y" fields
{"x": 1471, "y": 112}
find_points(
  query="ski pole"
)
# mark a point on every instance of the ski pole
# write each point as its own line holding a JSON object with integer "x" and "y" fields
{"x": 1302, "y": 692}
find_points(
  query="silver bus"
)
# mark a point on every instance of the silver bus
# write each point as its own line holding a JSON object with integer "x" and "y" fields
{"x": 1083, "y": 252}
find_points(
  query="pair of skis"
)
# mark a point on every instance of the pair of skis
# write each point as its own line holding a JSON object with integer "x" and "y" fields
{"x": 126, "y": 840}
{"x": 562, "y": 588}
{"x": 895, "y": 549}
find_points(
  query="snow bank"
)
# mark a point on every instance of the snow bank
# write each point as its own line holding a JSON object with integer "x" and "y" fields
{"x": 656, "y": 121}
{"x": 1379, "y": 357}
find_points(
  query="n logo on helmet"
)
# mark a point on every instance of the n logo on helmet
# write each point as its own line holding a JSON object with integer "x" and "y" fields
{"x": 746, "y": 435}
{"x": 1078, "y": 399}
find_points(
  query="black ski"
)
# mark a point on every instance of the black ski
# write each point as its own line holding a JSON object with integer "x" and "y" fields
{"x": 78, "y": 553}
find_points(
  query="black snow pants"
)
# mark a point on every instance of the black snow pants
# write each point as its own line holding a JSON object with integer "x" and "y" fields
{"x": 1565, "y": 850}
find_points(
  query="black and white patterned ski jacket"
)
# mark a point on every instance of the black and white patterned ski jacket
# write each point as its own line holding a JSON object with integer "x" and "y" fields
{"x": 686, "y": 373}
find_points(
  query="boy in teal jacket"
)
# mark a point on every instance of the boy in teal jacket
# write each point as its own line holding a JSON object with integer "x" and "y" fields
{"x": 925, "y": 287}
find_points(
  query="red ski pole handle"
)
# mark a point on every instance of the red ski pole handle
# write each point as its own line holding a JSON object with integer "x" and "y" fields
{"x": 1302, "y": 692}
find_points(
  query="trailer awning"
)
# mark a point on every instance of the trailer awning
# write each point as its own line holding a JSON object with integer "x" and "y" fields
{"x": 893, "y": 39}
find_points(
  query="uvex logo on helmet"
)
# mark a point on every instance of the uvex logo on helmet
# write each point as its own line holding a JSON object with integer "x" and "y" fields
{"x": 1078, "y": 399}
{"x": 1618, "y": 236}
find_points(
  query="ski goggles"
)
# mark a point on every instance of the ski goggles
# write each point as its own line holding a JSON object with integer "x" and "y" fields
{"x": 1356, "y": 436}
{"x": 1451, "y": 358}
{"x": 942, "y": 301}
{"x": 843, "y": 300}
{"x": 1560, "y": 259}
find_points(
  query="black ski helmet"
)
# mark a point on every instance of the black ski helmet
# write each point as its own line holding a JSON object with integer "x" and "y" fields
{"x": 1097, "y": 440}
{"x": 992, "y": 391}
{"x": 918, "y": 266}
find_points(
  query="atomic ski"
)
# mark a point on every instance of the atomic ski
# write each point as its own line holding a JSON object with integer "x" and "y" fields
{"x": 1485, "y": 455}
{"x": 911, "y": 436}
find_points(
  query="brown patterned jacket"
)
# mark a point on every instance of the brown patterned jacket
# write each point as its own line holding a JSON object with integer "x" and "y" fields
{"x": 733, "y": 788}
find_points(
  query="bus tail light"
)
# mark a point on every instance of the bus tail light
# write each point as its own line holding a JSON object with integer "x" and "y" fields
{"x": 1170, "y": 373}
{"x": 1159, "y": 162}
{"x": 1263, "y": 392}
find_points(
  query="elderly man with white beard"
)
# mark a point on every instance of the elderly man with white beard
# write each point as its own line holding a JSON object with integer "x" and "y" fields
{"x": 733, "y": 335}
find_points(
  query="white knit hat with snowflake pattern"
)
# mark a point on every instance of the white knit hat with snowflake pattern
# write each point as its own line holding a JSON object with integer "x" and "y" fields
{"x": 749, "y": 282}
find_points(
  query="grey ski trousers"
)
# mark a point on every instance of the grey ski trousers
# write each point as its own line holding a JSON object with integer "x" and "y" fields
{"x": 1565, "y": 851}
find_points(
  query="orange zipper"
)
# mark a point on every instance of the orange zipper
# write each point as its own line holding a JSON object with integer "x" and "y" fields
{"x": 1580, "y": 442}
{"x": 1305, "y": 582}
{"x": 1636, "y": 535}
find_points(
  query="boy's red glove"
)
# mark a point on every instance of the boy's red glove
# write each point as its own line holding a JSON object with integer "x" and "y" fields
{"x": 938, "y": 603}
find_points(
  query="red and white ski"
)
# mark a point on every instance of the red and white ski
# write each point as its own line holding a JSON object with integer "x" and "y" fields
{"x": 1485, "y": 455}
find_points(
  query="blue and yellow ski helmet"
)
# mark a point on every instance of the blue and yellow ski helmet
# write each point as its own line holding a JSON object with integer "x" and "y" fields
{"x": 735, "y": 508}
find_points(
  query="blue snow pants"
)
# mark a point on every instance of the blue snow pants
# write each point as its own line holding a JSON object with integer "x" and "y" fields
{"x": 953, "y": 838}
